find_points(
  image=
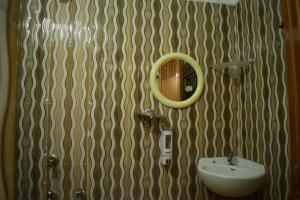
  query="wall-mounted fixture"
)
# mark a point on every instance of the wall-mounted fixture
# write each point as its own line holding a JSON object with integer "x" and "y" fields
{"x": 51, "y": 195}
{"x": 52, "y": 161}
{"x": 80, "y": 194}
{"x": 176, "y": 80}
{"x": 228, "y": 2}
{"x": 149, "y": 115}
{"x": 165, "y": 145}
{"x": 234, "y": 69}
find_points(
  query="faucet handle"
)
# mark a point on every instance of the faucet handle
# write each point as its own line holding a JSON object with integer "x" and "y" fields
{"x": 230, "y": 153}
{"x": 231, "y": 157}
{"x": 80, "y": 194}
{"x": 51, "y": 195}
{"x": 52, "y": 160}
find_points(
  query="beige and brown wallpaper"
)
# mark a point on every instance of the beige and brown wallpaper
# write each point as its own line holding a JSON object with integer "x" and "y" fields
{"x": 263, "y": 98}
{"x": 85, "y": 72}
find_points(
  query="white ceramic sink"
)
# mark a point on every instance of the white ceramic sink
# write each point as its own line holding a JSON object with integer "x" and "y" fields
{"x": 240, "y": 179}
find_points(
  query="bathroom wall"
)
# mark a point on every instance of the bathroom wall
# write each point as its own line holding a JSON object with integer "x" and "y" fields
{"x": 264, "y": 131}
{"x": 85, "y": 68}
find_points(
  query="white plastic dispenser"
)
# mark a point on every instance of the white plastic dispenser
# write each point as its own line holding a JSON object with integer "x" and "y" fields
{"x": 165, "y": 145}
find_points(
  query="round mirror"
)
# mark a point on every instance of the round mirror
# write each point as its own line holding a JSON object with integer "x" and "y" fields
{"x": 176, "y": 80}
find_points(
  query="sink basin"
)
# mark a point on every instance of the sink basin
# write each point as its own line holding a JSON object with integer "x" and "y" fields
{"x": 240, "y": 179}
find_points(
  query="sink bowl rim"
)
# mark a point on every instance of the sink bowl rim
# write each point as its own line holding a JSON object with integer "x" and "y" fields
{"x": 258, "y": 169}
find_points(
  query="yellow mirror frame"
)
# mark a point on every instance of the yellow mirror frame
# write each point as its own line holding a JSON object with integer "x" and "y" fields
{"x": 154, "y": 87}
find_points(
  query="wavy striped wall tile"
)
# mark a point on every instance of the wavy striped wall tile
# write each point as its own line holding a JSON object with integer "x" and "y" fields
{"x": 85, "y": 68}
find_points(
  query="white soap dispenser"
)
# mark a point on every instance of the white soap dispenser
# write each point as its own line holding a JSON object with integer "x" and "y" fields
{"x": 165, "y": 145}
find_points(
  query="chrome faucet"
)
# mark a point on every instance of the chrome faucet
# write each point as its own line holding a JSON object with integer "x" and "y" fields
{"x": 80, "y": 194}
{"x": 52, "y": 160}
{"x": 149, "y": 113}
{"x": 51, "y": 195}
{"x": 230, "y": 157}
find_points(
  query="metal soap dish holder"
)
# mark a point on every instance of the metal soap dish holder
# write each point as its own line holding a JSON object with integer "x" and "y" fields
{"x": 149, "y": 115}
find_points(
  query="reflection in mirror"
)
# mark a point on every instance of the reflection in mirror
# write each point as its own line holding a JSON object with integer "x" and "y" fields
{"x": 177, "y": 80}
